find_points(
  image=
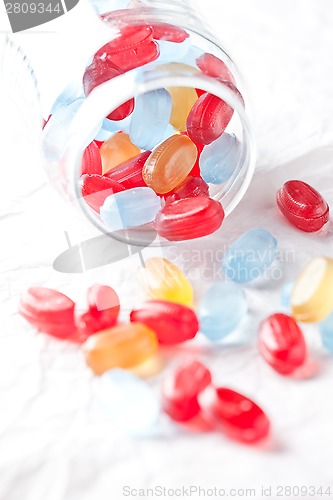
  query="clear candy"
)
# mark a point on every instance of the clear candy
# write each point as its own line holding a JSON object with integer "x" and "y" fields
{"x": 219, "y": 160}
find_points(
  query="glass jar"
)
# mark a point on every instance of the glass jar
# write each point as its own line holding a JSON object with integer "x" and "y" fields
{"x": 178, "y": 42}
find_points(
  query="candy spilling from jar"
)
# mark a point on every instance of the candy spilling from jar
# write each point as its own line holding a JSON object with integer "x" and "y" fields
{"x": 161, "y": 147}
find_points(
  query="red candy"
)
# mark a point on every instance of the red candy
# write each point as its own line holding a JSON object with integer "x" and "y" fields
{"x": 99, "y": 72}
{"x": 91, "y": 160}
{"x": 236, "y": 415}
{"x": 96, "y": 188}
{"x": 165, "y": 31}
{"x": 303, "y": 206}
{"x": 281, "y": 343}
{"x": 49, "y": 311}
{"x": 134, "y": 47}
{"x": 189, "y": 218}
{"x": 129, "y": 174}
{"x": 181, "y": 390}
{"x": 208, "y": 119}
{"x": 212, "y": 66}
{"x": 102, "y": 313}
{"x": 173, "y": 323}
{"x": 191, "y": 187}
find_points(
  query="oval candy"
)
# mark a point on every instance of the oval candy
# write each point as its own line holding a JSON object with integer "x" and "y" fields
{"x": 129, "y": 173}
{"x": 326, "y": 332}
{"x": 183, "y": 100}
{"x": 173, "y": 323}
{"x": 91, "y": 160}
{"x": 213, "y": 66}
{"x": 122, "y": 346}
{"x": 190, "y": 188}
{"x": 189, "y": 218}
{"x": 117, "y": 150}
{"x": 302, "y": 206}
{"x": 219, "y": 160}
{"x": 281, "y": 343}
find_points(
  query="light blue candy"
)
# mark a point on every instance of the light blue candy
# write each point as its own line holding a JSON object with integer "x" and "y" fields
{"x": 150, "y": 118}
{"x": 72, "y": 92}
{"x": 130, "y": 208}
{"x": 286, "y": 293}
{"x": 219, "y": 160}
{"x": 111, "y": 127}
{"x": 221, "y": 309}
{"x": 326, "y": 331}
{"x": 250, "y": 255}
{"x": 173, "y": 52}
{"x": 131, "y": 404}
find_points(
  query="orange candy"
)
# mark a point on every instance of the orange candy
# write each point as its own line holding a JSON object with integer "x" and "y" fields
{"x": 116, "y": 150}
{"x": 122, "y": 346}
{"x": 183, "y": 100}
{"x": 170, "y": 163}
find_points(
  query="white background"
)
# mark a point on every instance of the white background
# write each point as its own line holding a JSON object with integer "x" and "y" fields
{"x": 55, "y": 441}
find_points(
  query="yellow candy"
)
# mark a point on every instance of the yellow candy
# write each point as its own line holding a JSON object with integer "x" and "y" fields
{"x": 116, "y": 150}
{"x": 312, "y": 296}
{"x": 183, "y": 99}
{"x": 122, "y": 346}
{"x": 161, "y": 279}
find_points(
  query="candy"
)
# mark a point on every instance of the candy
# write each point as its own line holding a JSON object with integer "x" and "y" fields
{"x": 91, "y": 160}
{"x": 117, "y": 150}
{"x": 169, "y": 32}
{"x": 117, "y": 126}
{"x": 221, "y": 310}
{"x": 212, "y": 66}
{"x": 303, "y": 206}
{"x": 219, "y": 160}
{"x": 189, "y": 218}
{"x": 130, "y": 208}
{"x": 169, "y": 164}
{"x": 191, "y": 187}
{"x": 150, "y": 118}
{"x": 173, "y": 323}
{"x": 249, "y": 256}
{"x": 122, "y": 346}
{"x": 286, "y": 292}
{"x": 208, "y": 119}
{"x": 160, "y": 279}
{"x": 236, "y": 415}
{"x": 96, "y": 188}
{"x": 312, "y": 296}
{"x": 326, "y": 331}
{"x": 181, "y": 390}
{"x": 99, "y": 72}
{"x": 183, "y": 100}
{"x": 129, "y": 174}
{"x": 130, "y": 403}
{"x": 103, "y": 311}
{"x": 281, "y": 343}
{"x": 49, "y": 311}
{"x": 134, "y": 47}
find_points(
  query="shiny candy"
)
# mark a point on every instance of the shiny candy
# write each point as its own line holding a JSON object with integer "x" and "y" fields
{"x": 212, "y": 66}
{"x": 189, "y": 218}
{"x": 221, "y": 310}
{"x": 117, "y": 150}
{"x": 130, "y": 403}
{"x": 312, "y": 295}
{"x": 169, "y": 32}
{"x": 122, "y": 346}
{"x": 103, "y": 310}
{"x": 326, "y": 331}
{"x": 190, "y": 188}
{"x": 208, "y": 119}
{"x": 96, "y": 188}
{"x": 303, "y": 206}
{"x": 160, "y": 279}
{"x": 130, "y": 208}
{"x": 173, "y": 323}
{"x": 169, "y": 164}
{"x": 129, "y": 174}
{"x": 150, "y": 118}
{"x": 281, "y": 343}
{"x": 181, "y": 389}
{"x": 250, "y": 255}
{"x": 219, "y": 160}
{"x": 235, "y": 415}
{"x": 183, "y": 100}
{"x": 91, "y": 160}
{"x": 49, "y": 311}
